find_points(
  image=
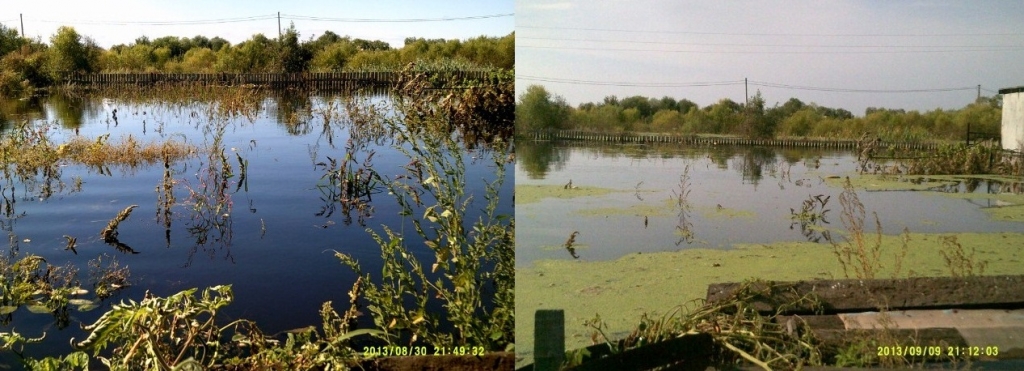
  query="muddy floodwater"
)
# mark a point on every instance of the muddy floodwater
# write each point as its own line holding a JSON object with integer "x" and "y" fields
{"x": 260, "y": 214}
{"x": 640, "y": 250}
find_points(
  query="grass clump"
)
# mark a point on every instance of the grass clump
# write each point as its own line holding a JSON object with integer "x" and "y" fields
{"x": 860, "y": 252}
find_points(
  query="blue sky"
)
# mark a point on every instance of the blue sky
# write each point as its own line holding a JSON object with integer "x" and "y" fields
{"x": 97, "y": 18}
{"x": 588, "y": 50}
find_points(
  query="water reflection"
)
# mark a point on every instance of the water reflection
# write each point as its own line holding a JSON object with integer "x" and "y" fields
{"x": 726, "y": 202}
{"x": 539, "y": 158}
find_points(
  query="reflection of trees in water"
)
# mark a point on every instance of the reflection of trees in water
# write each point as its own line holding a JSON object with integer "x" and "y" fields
{"x": 538, "y": 158}
{"x": 293, "y": 111}
{"x": 13, "y": 111}
{"x": 754, "y": 161}
{"x": 72, "y": 111}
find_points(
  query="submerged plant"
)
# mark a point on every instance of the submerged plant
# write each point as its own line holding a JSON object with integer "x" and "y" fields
{"x": 811, "y": 216}
{"x": 684, "y": 227}
{"x": 473, "y": 259}
{"x": 349, "y": 184}
{"x": 109, "y": 233}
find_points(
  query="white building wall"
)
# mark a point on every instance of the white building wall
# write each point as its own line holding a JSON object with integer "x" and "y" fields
{"x": 1013, "y": 121}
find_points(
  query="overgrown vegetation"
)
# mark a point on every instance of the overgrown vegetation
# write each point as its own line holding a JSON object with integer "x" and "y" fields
{"x": 470, "y": 282}
{"x": 539, "y": 110}
{"x": 948, "y": 159}
{"x": 26, "y": 65}
{"x": 473, "y": 259}
{"x": 736, "y": 325}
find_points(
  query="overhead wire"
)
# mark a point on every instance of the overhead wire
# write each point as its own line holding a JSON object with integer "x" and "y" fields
{"x": 848, "y": 90}
{"x": 266, "y": 17}
{"x": 763, "y": 45}
{"x": 634, "y": 84}
{"x": 735, "y": 82}
{"x": 165, "y": 23}
{"x": 766, "y": 34}
{"x": 977, "y": 49}
{"x": 385, "y": 20}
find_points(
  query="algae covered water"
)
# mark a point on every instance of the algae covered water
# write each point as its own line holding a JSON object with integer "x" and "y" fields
{"x": 642, "y": 251}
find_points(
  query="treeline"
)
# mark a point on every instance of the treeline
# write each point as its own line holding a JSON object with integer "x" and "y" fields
{"x": 26, "y": 64}
{"x": 537, "y": 109}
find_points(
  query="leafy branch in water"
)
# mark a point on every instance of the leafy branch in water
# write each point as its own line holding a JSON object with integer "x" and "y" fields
{"x": 468, "y": 255}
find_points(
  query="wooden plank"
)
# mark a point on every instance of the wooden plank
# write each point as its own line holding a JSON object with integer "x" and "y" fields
{"x": 488, "y": 361}
{"x": 686, "y": 353}
{"x": 853, "y": 295}
{"x": 900, "y": 340}
{"x": 549, "y": 339}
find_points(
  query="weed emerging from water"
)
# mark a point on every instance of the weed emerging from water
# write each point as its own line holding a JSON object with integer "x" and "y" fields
{"x": 350, "y": 185}
{"x": 110, "y": 278}
{"x": 811, "y": 216}
{"x": 471, "y": 258}
{"x": 961, "y": 263}
{"x": 861, "y": 253}
{"x": 109, "y": 233}
{"x": 684, "y": 228}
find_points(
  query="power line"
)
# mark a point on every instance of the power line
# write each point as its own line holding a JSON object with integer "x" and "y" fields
{"x": 165, "y": 23}
{"x": 270, "y": 17}
{"x": 767, "y": 45}
{"x": 639, "y": 84}
{"x": 386, "y": 20}
{"x": 980, "y": 49}
{"x": 766, "y": 34}
{"x": 734, "y": 82}
{"x": 846, "y": 90}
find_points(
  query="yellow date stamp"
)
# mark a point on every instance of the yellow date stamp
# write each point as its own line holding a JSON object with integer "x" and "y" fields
{"x": 936, "y": 351}
{"x": 400, "y": 350}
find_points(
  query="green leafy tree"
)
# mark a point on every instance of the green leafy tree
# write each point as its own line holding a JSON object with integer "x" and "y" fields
{"x": 291, "y": 57}
{"x": 538, "y": 110}
{"x": 756, "y": 123}
{"x": 667, "y": 120}
{"x": 67, "y": 54}
{"x": 10, "y": 40}
{"x": 334, "y": 57}
{"x": 199, "y": 60}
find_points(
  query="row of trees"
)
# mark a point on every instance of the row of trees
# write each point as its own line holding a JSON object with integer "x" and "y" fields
{"x": 538, "y": 109}
{"x": 27, "y": 63}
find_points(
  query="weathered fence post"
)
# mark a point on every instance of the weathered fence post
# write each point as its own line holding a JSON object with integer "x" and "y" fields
{"x": 549, "y": 340}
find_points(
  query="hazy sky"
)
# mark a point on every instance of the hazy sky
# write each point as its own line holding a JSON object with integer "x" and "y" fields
{"x": 587, "y": 50}
{"x": 111, "y": 22}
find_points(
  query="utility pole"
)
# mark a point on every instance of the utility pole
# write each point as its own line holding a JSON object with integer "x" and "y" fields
{"x": 979, "y": 91}
{"x": 22, "y": 18}
{"x": 278, "y": 26}
{"x": 746, "y": 93}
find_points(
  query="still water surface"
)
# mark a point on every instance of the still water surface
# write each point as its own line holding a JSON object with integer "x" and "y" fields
{"x": 273, "y": 243}
{"x": 736, "y": 195}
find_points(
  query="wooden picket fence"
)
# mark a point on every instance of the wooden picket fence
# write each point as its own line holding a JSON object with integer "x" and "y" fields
{"x": 306, "y": 80}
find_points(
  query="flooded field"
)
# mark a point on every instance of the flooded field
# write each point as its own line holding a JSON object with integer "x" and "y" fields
{"x": 651, "y": 226}
{"x": 259, "y": 195}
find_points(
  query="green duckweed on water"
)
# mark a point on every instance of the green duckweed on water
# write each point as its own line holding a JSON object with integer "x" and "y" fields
{"x": 533, "y": 193}
{"x": 655, "y": 283}
{"x": 666, "y": 208}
